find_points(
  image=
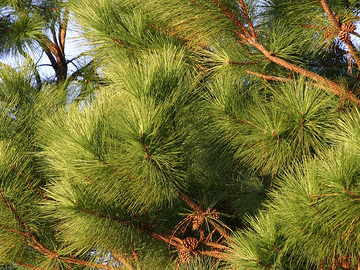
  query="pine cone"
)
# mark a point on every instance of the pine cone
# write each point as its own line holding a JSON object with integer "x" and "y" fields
{"x": 348, "y": 27}
{"x": 330, "y": 33}
{"x": 190, "y": 243}
{"x": 214, "y": 214}
{"x": 344, "y": 36}
{"x": 197, "y": 221}
{"x": 184, "y": 255}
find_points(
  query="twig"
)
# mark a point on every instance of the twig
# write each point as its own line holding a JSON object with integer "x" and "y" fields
{"x": 215, "y": 254}
{"x": 247, "y": 17}
{"x": 28, "y": 182}
{"x": 245, "y": 33}
{"x": 13, "y": 211}
{"x": 29, "y": 266}
{"x": 136, "y": 257}
{"x": 101, "y": 215}
{"x": 123, "y": 261}
{"x": 268, "y": 77}
{"x": 330, "y": 14}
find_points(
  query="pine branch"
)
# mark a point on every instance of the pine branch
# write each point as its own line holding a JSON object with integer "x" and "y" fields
{"x": 215, "y": 245}
{"x": 122, "y": 260}
{"x": 13, "y": 211}
{"x": 330, "y": 14}
{"x": 268, "y": 77}
{"x": 247, "y": 38}
{"x": 199, "y": 210}
{"x": 351, "y": 193}
{"x": 244, "y": 33}
{"x": 39, "y": 246}
{"x": 280, "y": 79}
{"x": 49, "y": 45}
{"x": 28, "y": 182}
{"x": 26, "y": 265}
{"x": 337, "y": 25}
{"x": 136, "y": 258}
{"x": 101, "y": 215}
{"x": 14, "y": 231}
{"x": 190, "y": 203}
{"x": 37, "y": 75}
{"x": 122, "y": 43}
{"x": 170, "y": 239}
{"x": 52, "y": 29}
{"x": 34, "y": 243}
{"x": 245, "y": 12}
{"x": 215, "y": 254}
{"x": 63, "y": 30}
{"x": 333, "y": 87}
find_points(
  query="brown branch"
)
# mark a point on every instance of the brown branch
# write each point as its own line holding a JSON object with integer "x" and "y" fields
{"x": 56, "y": 57}
{"x": 50, "y": 45}
{"x": 247, "y": 17}
{"x": 12, "y": 210}
{"x": 190, "y": 203}
{"x": 29, "y": 266}
{"x": 332, "y": 86}
{"x": 52, "y": 28}
{"x": 136, "y": 258}
{"x": 84, "y": 263}
{"x": 279, "y": 79}
{"x": 43, "y": 249}
{"x": 351, "y": 193}
{"x": 215, "y": 253}
{"x": 53, "y": 62}
{"x": 198, "y": 210}
{"x": 171, "y": 240}
{"x": 101, "y": 215}
{"x": 224, "y": 233}
{"x": 356, "y": 34}
{"x": 63, "y": 29}
{"x": 330, "y": 14}
{"x": 215, "y": 245}
{"x": 122, "y": 43}
{"x": 31, "y": 185}
{"x": 123, "y": 261}
{"x": 14, "y": 231}
{"x": 245, "y": 33}
{"x": 353, "y": 52}
{"x": 146, "y": 150}
{"x": 268, "y": 77}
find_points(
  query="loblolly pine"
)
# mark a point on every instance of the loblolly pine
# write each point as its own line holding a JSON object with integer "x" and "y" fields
{"x": 223, "y": 135}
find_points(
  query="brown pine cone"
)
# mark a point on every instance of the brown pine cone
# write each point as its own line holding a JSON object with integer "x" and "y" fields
{"x": 214, "y": 214}
{"x": 184, "y": 255}
{"x": 190, "y": 243}
{"x": 348, "y": 27}
{"x": 344, "y": 36}
{"x": 197, "y": 221}
{"x": 330, "y": 33}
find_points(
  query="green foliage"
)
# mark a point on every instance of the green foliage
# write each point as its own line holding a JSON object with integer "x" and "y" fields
{"x": 213, "y": 135}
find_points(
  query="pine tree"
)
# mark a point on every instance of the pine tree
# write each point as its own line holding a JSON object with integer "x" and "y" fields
{"x": 217, "y": 135}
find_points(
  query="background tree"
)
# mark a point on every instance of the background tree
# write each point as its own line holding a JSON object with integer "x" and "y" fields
{"x": 226, "y": 136}
{"x": 38, "y": 30}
